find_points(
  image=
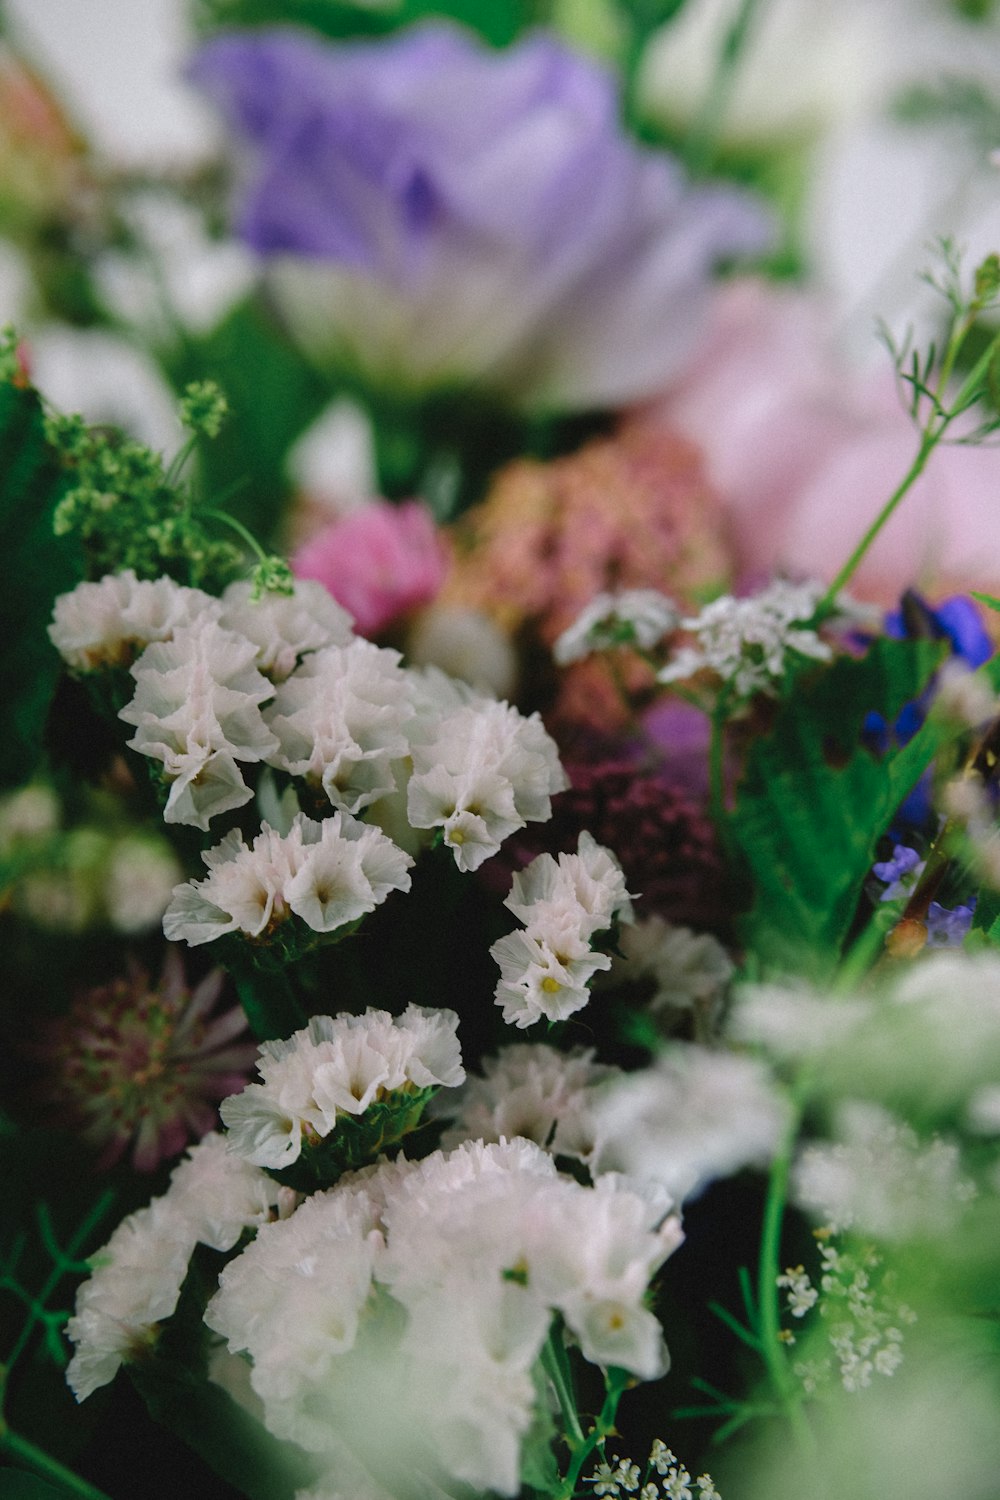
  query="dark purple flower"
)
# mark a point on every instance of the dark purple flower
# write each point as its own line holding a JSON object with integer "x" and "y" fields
{"x": 452, "y": 212}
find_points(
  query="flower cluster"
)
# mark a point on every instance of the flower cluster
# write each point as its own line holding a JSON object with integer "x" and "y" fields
{"x": 326, "y": 874}
{"x": 672, "y": 1482}
{"x": 338, "y": 1067}
{"x": 746, "y": 642}
{"x": 545, "y": 970}
{"x": 640, "y": 617}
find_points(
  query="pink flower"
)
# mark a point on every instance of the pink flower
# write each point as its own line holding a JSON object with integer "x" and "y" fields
{"x": 805, "y": 450}
{"x": 144, "y": 1065}
{"x": 379, "y": 561}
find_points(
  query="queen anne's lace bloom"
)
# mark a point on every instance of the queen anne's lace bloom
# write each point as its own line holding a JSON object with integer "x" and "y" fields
{"x": 746, "y": 642}
{"x": 109, "y": 622}
{"x": 340, "y": 721}
{"x": 285, "y": 627}
{"x": 327, "y": 874}
{"x": 338, "y": 1066}
{"x": 545, "y": 970}
{"x": 640, "y": 617}
{"x": 485, "y": 772}
{"x": 196, "y": 709}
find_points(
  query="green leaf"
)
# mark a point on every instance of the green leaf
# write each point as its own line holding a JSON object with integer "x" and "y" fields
{"x": 987, "y": 599}
{"x": 498, "y": 21}
{"x": 37, "y": 566}
{"x": 15, "y": 1484}
{"x": 813, "y": 801}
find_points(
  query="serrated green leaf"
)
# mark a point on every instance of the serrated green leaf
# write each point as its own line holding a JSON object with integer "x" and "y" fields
{"x": 813, "y": 801}
{"x": 37, "y": 566}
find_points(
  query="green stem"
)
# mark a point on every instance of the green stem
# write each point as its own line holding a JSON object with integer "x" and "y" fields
{"x": 43, "y": 1463}
{"x": 238, "y": 527}
{"x": 699, "y": 149}
{"x": 602, "y": 1429}
{"x": 772, "y": 1347}
{"x": 556, "y": 1367}
{"x": 77, "y": 1240}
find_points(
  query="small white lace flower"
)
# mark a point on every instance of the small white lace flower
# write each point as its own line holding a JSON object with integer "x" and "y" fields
{"x": 631, "y": 616}
{"x": 109, "y": 622}
{"x": 484, "y": 773}
{"x": 196, "y": 709}
{"x": 286, "y": 627}
{"x": 328, "y": 874}
{"x": 746, "y": 642}
{"x": 340, "y": 721}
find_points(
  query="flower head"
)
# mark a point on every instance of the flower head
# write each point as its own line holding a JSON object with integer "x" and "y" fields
{"x": 139, "y": 1067}
{"x": 528, "y": 244}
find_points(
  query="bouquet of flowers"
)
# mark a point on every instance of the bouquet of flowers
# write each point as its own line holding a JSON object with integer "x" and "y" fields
{"x": 499, "y": 837}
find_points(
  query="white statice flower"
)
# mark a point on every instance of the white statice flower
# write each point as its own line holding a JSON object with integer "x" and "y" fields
{"x": 108, "y": 623}
{"x": 483, "y": 772}
{"x": 341, "y": 721}
{"x": 791, "y": 1021}
{"x": 746, "y": 642}
{"x": 640, "y": 617}
{"x": 136, "y": 1277}
{"x": 697, "y": 1115}
{"x": 327, "y": 874}
{"x": 338, "y": 1066}
{"x": 286, "y": 627}
{"x": 877, "y": 1176}
{"x": 545, "y": 970}
{"x": 530, "y": 1090}
{"x": 689, "y": 971}
{"x": 196, "y": 709}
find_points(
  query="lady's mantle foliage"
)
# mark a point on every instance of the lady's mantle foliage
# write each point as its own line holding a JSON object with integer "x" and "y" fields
{"x": 486, "y": 210}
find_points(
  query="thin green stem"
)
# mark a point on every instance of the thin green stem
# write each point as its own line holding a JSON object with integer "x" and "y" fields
{"x": 556, "y": 1367}
{"x": 699, "y": 149}
{"x": 35, "y": 1458}
{"x": 602, "y": 1429}
{"x": 75, "y": 1243}
{"x": 772, "y": 1348}
{"x": 238, "y": 527}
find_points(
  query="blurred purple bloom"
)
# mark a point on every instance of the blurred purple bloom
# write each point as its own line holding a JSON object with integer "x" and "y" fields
{"x": 948, "y": 927}
{"x": 900, "y": 873}
{"x": 456, "y": 212}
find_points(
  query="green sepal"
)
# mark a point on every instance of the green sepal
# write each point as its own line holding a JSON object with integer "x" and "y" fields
{"x": 357, "y": 1141}
{"x": 814, "y": 801}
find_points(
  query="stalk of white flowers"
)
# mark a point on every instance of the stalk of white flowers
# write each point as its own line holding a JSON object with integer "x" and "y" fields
{"x": 137, "y": 1276}
{"x": 746, "y": 642}
{"x": 327, "y": 874}
{"x": 530, "y": 1090}
{"x": 340, "y": 1067}
{"x": 196, "y": 710}
{"x": 285, "y": 627}
{"x": 340, "y": 721}
{"x": 108, "y": 623}
{"x": 484, "y": 772}
{"x": 629, "y": 617}
{"x": 546, "y": 969}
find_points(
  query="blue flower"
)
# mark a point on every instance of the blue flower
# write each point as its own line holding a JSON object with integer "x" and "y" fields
{"x": 439, "y": 213}
{"x": 949, "y": 927}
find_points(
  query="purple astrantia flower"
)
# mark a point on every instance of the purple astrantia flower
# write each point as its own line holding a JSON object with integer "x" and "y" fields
{"x": 441, "y": 212}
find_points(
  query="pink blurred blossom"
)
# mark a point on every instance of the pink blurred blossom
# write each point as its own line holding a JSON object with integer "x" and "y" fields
{"x": 379, "y": 561}
{"x": 805, "y": 448}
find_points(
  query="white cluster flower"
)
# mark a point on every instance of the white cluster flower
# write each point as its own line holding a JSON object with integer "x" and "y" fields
{"x": 484, "y": 772}
{"x": 546, "y": 968}
{"x": 877, "y": 1176}
{"x": 689, "y": 970}
{"x": 535, "y": 1091}
{"x": 801, "y": 1294}
{"x": 286, "y": 627}
{"x": 340, "y": 720}
{"x": 698, "y": 1114}
{"x": 631, "y": 616}
{"x": 196, "y": 709}
{"x": 327, "y": 874}
{"x": 426, "y": 1291}
{"x": 746, "y": 642}
{"x": 334, "y": 1067}
{"x": 109, "y": 622}
{"x": 137, "y": 1277}
{"x": 673, "y": 1482}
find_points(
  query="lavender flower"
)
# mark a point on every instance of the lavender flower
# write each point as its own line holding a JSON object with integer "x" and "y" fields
{"x": 469, "y": 213}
